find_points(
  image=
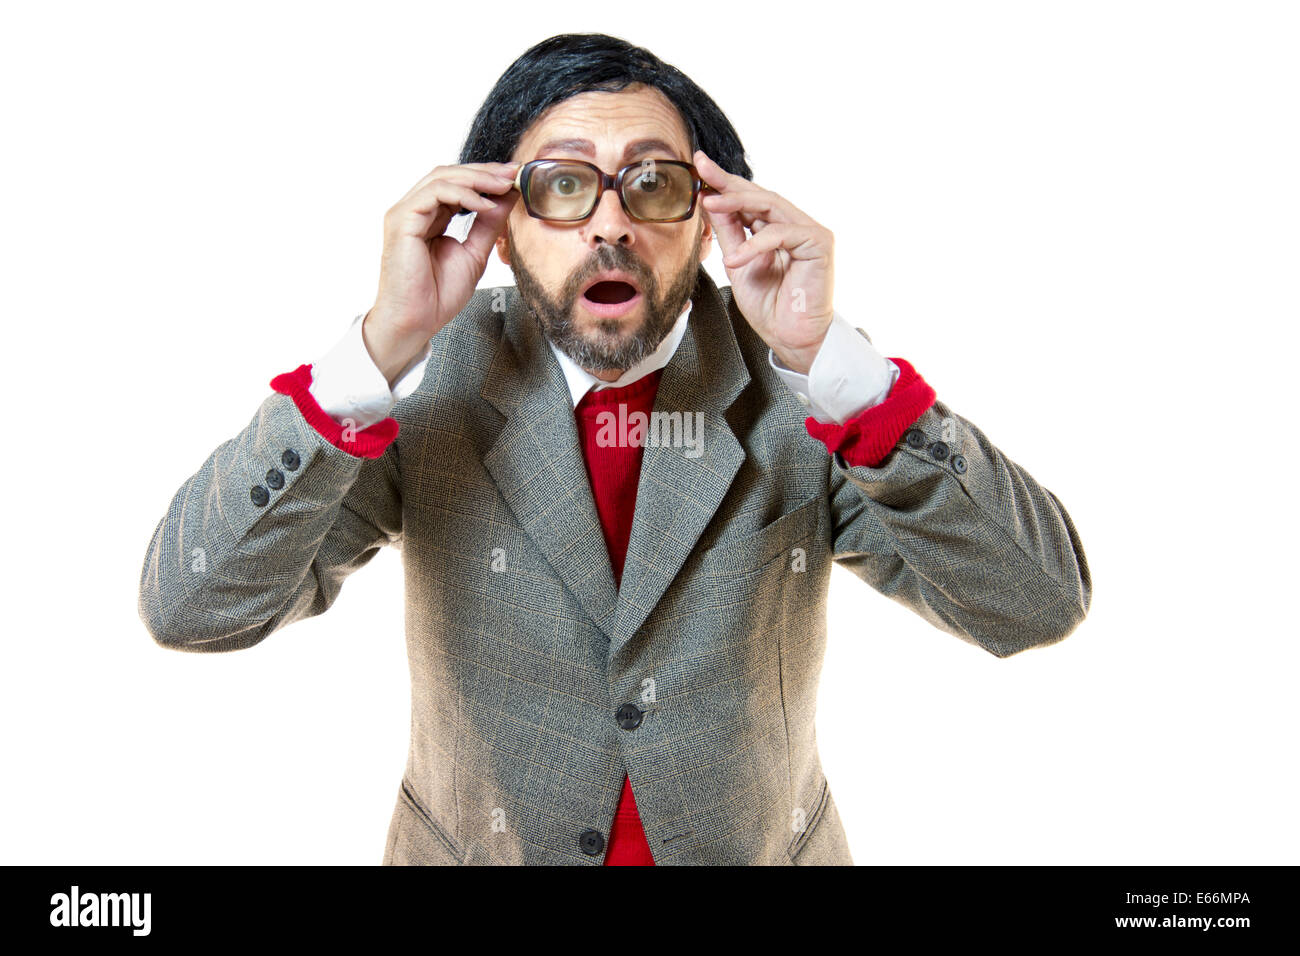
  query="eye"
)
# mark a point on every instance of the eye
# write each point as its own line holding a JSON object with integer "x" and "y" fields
{"x": 650, "y": 182}
{"x": 565, "y": 185}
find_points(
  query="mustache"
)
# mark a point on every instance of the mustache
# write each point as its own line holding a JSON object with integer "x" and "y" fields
{"x": 610, "y": 257}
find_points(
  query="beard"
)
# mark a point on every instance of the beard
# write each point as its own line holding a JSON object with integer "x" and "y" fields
{"x": 608, "y": 345}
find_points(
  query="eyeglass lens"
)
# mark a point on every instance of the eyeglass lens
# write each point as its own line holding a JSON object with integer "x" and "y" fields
{"x": 652, "y": 191}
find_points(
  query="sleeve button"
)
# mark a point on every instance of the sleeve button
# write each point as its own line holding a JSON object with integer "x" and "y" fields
{"x": 958, "y": 464}
{"x": 939, "y": 450}
{"x": 290, "y": 459}
{"x": 275, "y": 479}
{"x": 259, "y": 495}
{"x": 915, "y": 438}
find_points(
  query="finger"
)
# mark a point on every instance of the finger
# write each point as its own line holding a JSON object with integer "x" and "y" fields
{"x": 443, "y": 192}
{"x": 761, "y": 203}
{"x": 427, "y": 214}
{"x": 751, "y": 222}
{"x": 800, "y": 241}
{"x": 487, "y": 227}
{"x": 729, "y": 230}
{"x": 497, "y": 169}
{"x": 485, "y": 181}
{"x": 479, "y": 180}
{"x": 717, "y": 177}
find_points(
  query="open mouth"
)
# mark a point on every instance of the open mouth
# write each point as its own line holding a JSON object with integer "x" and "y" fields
{"x": 610, "y": 292}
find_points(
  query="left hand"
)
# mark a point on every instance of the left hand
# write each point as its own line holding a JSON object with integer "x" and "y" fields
{"x": 782, "y": 276}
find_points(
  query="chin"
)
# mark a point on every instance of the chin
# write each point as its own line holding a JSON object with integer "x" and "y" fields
{"x": 599, "y": 338}
{"x": 609, "y": 329}
{"x": 609, "y": 334}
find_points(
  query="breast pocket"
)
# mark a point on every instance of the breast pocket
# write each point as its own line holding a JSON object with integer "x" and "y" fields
{"x": 753, "y": 553}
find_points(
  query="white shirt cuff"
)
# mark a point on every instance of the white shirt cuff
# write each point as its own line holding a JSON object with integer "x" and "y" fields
{"x": 347, "y": 384}
{"x": 847, "y": 377}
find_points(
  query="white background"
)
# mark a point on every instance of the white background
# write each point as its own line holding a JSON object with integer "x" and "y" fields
{"x": 1078, "y": 220}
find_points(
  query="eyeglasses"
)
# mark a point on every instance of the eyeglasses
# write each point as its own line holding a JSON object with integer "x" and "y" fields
{"x": 567, "y": 190}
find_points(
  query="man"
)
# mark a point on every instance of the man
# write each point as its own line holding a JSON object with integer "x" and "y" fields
{"x": 617, "y": 516}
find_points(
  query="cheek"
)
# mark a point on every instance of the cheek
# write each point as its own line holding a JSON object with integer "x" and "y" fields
{"x": 671, "y": 257}
{"x": 547, "y": 258}
{"x": 526, "y": 249}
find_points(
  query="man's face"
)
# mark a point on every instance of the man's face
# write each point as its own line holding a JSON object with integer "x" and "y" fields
{"x": 605, "y": 326}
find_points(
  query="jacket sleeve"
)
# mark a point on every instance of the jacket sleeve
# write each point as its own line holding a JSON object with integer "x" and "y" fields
{"x": 268, "y": 528}
{"x": 930, "y": 513}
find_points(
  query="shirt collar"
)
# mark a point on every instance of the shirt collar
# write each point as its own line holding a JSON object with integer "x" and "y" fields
{"x": 581, "y": 381}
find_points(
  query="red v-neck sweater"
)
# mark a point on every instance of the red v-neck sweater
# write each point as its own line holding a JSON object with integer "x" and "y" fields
{"x": 615, "y": 470}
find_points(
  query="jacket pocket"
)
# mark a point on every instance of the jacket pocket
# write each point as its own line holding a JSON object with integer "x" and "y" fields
{"x": 752, "y": 552}
{"x": 815, "y": 816}
{"x": 416, "y": 838}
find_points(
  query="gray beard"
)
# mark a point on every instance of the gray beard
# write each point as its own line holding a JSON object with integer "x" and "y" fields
{"x": 612, "y": 348}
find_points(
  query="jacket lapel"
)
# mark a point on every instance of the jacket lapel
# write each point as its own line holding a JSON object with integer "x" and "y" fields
{"x": 537, "y": 463}
{"x": 677, "y": 495}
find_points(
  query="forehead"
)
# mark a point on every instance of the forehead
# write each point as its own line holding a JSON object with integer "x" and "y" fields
{"x": 610, "y": 121}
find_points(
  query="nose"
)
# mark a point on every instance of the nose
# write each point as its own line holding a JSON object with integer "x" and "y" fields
{"x": 608, "y": 222}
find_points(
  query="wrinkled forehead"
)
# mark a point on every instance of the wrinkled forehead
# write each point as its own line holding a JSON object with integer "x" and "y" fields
{"x": 608, "y": 128}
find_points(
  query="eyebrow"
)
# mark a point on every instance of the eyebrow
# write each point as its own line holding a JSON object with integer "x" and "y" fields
{"x": 588, "y": 148}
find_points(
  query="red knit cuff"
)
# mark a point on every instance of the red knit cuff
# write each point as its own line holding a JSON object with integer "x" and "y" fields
{"x": 364, "y": 443}
{"x": 867, "y": 438}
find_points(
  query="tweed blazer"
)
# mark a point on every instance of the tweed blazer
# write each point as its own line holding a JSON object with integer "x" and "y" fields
{"x": 524, "y": 655}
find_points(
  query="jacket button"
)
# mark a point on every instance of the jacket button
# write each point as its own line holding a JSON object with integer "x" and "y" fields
{"x": 939, "y": 450}
{"x": 591, "y": 842}
{"x": 958, "y": 464}
{"x": 275, "y": 479}
{"x": 290, "y": 459}
{"x": 915, "y": 437}
{"x": 259, "y": 495}
{"x": 629, "y": 716}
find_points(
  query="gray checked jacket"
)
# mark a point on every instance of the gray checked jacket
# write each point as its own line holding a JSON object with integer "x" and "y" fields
{"x": 524, "y": 656}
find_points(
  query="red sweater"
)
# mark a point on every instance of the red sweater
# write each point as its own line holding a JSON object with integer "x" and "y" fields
{"x": 615, "y": 471}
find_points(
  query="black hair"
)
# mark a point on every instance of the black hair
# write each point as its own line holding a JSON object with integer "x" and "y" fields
{"x": 573, "y": 63}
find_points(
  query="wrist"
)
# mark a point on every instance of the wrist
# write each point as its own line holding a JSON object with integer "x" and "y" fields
{"x": 801, "y": 359}
{"x": 390, "y": 354}
{"x": 797, "y": 360}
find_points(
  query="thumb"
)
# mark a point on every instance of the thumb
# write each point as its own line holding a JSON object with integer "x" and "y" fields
{"x": 488, "y": 225}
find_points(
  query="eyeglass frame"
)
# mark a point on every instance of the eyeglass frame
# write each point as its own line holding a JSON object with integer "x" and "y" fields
{"x": 615, "y": 182}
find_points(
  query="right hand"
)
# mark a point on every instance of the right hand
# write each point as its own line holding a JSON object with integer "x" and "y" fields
{"x": 426, "y": 278}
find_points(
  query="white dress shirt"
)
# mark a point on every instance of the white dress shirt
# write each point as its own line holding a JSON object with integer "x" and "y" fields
{"x": 847, "y": 376}
{"x": 581, "y": 381}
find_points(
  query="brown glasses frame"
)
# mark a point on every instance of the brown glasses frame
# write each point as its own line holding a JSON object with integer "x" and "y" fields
{"x": 604, "y": 182}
